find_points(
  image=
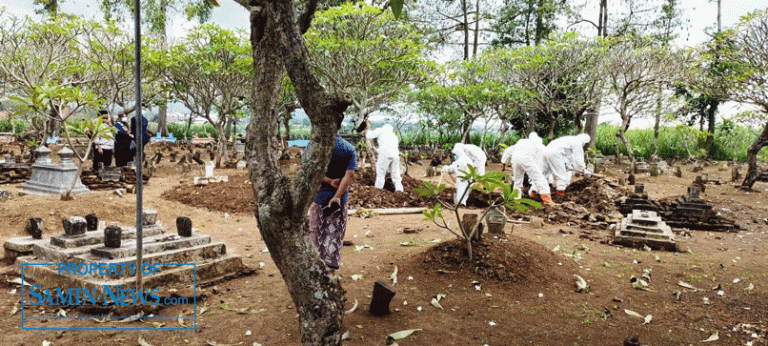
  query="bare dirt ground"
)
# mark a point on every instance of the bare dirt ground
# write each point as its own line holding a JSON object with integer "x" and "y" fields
{"x": 519, "y": 289}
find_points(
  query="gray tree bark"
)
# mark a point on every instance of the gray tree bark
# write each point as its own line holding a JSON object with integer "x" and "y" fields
{"x": 282, "y": 202}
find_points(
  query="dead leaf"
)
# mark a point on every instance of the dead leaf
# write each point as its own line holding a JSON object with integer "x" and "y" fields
{"x": 15, "y": 308}
{"x": 143, "y": 342}
{"x": 19, "y": 281}
{"x": 180, "y": 319}
{"x": 402, "y": 334}
{"x": 203, "y": 310}
{"x": 581, "y": 284}
{"x": 633, "y": 314}
{"x": 647, "y": 319}
{"x": 436, "y": 301}
{"x": 713, "y": 337}
{"x": 687, "y": 285}
{"x": 354, "y": 307}
{"x": 393, "y": 276}
{"x": 356, "y": 277}
{"x": 345, "y": 336}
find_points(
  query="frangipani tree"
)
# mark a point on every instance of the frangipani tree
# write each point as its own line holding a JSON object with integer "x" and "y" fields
{"x": 365, "y": 52}
{"x": 634, "y": 70}
{"x": 209, "y": 71}
{"x": 749, "y": 77}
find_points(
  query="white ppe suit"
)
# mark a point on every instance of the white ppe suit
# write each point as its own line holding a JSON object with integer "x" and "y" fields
{"x": 564, "y": 156}
{"x": 388, "y": 156}
{"x": 506, "y": 156}
{"x": 460, "y": 163}
{"x": 475, "y": 153}
{"x": 527, "y": 157}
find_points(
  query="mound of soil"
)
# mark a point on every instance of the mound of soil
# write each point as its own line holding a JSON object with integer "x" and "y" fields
{"x": 507, "y": 259}
{"x": 594, "y": 193}
{"x": 236, "y": 195}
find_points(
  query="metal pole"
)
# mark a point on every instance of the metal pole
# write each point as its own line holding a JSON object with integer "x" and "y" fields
{"x": 137, "y": 160}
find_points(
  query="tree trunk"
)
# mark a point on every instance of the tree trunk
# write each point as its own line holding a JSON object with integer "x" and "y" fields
{"x": 466, "y": 29}
{"x": 162, "y": 120}
{"x": 539, "y": 23}
{"x": 477, "y": 29}
{"x": 531, "y": 123}
{"x": 711, "y": 126}
{"x": 621, "y": 136}
{"x": 221, "y": 144}
{"x": 656, "y": 123}
{"x": 751, "y": 176}
{"x": 552, "y": 124}
{"x": 282, "y": 202}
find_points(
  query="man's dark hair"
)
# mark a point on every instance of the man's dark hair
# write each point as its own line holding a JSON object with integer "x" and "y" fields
{"x": 339, "y": 120}
{"x": 103, "y": 112}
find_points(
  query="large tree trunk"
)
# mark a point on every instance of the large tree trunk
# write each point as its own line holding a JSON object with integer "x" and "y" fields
{"x": 751, "y": 177}
{"x": 282, "y": 202}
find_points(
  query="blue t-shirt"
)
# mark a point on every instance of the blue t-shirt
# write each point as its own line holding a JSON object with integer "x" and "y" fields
{"x": 343, "y": 158}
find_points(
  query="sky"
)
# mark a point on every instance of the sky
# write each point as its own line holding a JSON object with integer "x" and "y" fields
{"x": 700, "y": 17}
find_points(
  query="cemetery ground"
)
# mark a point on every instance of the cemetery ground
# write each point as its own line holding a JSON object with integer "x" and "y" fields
{"x": 520, "y": 289}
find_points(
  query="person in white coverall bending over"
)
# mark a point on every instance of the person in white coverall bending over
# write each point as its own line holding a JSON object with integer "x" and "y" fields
{"x": 461, "y": 161}
{"x": 527, "y": 157}
{"x": 564, "y": 156}
{"x": 476, "y": 154}
{"x": 388, "y": 156}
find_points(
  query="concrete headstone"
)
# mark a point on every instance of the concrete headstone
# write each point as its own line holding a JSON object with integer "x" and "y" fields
{"x": 113, "y": 236}
{"x": 74, "y": 226}
{"x": 184, "y": 226}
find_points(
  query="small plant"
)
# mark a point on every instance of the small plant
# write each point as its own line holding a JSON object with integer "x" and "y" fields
{"x": 486, "y": 183}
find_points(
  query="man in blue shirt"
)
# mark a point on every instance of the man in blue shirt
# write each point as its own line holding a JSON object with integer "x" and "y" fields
{"x": 328, "y": 212}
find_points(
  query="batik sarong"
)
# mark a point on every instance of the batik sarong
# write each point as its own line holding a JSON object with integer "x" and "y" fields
{"x": 327, "y": 233}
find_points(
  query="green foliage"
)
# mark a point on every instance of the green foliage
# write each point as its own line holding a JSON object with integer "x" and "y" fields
{"x": 363, "y": 51}
{"x": 201, "y": 130}
{"x": 486, "y": 184}
{"x": 731, "y": 141}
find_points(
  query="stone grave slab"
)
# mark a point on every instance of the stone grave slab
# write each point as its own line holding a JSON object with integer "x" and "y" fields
{"x": 49, "y": 178}
{"x": 211, "y": 261}
{"x": 644, "y": 227}
{"x": 91, "y": 238}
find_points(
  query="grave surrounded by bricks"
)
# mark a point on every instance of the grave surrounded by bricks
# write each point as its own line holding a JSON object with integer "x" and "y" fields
{"x": 638, "y": 200}
{"x": 645, "y": 227}
{"x": 85, "y": 243}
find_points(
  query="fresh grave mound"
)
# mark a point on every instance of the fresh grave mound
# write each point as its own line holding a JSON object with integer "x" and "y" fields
{"x": 363, "y": 193}
{"x": 236, "y": 195}
{"x": 508, "y": 259}
{"x": 595, "y": 193}
{"x": 590, "y": 201}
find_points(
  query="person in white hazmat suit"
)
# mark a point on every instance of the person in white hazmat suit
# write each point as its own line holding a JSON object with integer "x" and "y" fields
{"x": 476, "y": 154}
{"x": 388, "y": 156}
{"x": 527, "y": 157}
{"x": 564, "y": 156}
{"x": 461, "y": 162}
